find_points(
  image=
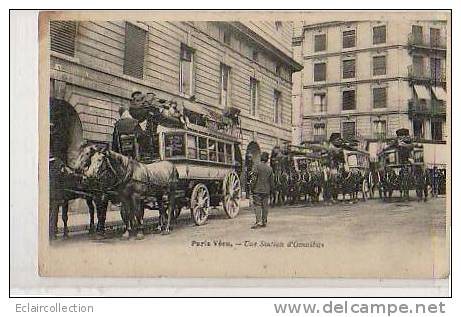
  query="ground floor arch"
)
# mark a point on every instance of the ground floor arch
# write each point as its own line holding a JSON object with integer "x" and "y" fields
{"x": 66, "y": 132}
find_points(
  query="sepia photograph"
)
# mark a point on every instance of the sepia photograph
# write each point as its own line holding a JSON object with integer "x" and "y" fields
{"x": 245, "y": 144}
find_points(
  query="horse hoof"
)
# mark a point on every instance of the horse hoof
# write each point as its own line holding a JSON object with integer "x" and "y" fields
{"x": 165, "y": 232}
{"x": 139, "y": 236}
{"x": 126, "y": 235}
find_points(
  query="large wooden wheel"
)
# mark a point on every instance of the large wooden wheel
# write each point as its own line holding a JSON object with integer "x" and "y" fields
{"x": 231, "y": 194}
{"x": 200, "y": 204}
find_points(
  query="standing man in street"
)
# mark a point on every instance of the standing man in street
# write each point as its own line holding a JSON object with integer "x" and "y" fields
{"x": 262, "y": 186}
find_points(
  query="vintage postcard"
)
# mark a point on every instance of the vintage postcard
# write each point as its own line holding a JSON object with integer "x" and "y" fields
{"x": 245, "y": 144}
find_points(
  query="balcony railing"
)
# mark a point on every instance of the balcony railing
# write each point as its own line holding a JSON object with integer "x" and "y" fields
{"x": 434, "y": 108}
{"x": 422, "y": 73}
{"x": 439, "y": 42}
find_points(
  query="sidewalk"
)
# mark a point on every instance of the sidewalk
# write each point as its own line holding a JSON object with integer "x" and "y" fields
{"x": 79, "y": 218}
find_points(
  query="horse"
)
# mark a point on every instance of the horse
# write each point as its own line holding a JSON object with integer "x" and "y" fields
{"x": 67, "y": 185}
{"x": 375, "y": 182}
{"x": 405, "y": 179}
{"x": 133, "y": 183}
{"x": 390, "y": 181}
{"x": 350, "y": 184}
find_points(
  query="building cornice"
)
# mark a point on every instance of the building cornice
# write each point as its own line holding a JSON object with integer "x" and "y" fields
{"x": 242, "y": 28}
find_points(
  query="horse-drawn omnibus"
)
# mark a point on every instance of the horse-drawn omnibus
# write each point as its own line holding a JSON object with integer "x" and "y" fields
{"x": 204, "y": 147}
{"x": 401, "y": 167}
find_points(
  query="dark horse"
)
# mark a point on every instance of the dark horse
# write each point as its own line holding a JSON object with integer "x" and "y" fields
{"x": 67, "y": 185}
{"x": 133, "y": 183}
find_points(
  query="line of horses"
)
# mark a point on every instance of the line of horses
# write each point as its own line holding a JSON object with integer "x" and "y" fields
{"x": 341, "y": 184}
{"x": 100, "y": 175}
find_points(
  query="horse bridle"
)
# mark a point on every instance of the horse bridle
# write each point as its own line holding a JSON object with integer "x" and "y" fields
{"x": 120, "y": 180}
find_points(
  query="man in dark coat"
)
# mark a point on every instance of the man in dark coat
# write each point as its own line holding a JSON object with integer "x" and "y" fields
{"x": 126, "y": 125}
{"x": 262, "y": 186}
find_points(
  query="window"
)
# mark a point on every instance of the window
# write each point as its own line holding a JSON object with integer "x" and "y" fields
{"x": 229, "y": 155}
{"x": 221, "y": 155}
{"x": 379, "y": 65}
{"x": 278, "y": 25}
{"x": 418, "y": 129}
{"x": 349, "y": 68}
{"x": 320, "y": 133}
{"x": 320, "y": 72}
{"x": 436, "y": 71}
{"x": 224, "y": 85}
{"x": 191, "y": 146}
{"x": 278, "y": 70}
{"x": 434, "y": 37}
{"x": 348, "y": 39}
{"x": 186, "y": 71}
{"x": 320, "y": 42}
{"x": 277, "y": 106}
{"x": 349, "y": 100}
{"x": 379, "y": 129}
{"x": 62, "y": 37}
{"x": 418, "y": 66}
{"x": 320, "y": 102}
{"x": 436, "y": 130}
{"x": 174, "y": 145}
{"x": 212, "y": 150}
{"x": 417, "y": 34}
{"x": 380, "y": 97}
{"x": 203, "y": 149}
{"x": 254, "y": 96}
{"x": 227, "y": 37}
{"x": 348, "y": 130}
{"x": 379, "y": 34}
{"x": 135, "y": 45}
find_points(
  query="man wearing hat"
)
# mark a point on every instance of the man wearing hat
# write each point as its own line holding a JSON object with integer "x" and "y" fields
{"x": 262, "y": 186}
{"x": 126, "y": 126}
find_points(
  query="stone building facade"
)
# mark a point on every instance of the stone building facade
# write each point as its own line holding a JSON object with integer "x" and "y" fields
{"x": 95, "y": 66}
{"x": 369, "y": 78}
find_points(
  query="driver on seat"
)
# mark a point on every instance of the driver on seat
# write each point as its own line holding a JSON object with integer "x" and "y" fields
{"x": 126, "y": 126}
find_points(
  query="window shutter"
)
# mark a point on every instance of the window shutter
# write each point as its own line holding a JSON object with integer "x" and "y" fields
{"x": 320, "y": 71}
{"x": 135, "y": 45}
{"x": 348, "y": 39}
{"x": 379, "y": 65}
{"x": 62, "y": 37}
{"x": 379, "y": 97}
{"x": 349, "y": 68}
{"x": 348, "y": 129}
{"x": 349, "y": 100}
{"x": 320, "y": 42}
{"x": 379, "y": 34}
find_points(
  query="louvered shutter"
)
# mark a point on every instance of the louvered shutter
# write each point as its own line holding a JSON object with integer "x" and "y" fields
{"x": 62, "y": 37}
{"x": 349, "y": 100}
{"x": 320, "y": 42}
{"x": 379, "y": 97}
{"x": 348, "y": 130}
{"x": 379, "y": 65}
{"x": 320, "y": 71}
{"x": 135, "y": 44}
{"x": 379, "y": 34}
{"x": 348, "y": 39}
{"x": 349, "y": 68}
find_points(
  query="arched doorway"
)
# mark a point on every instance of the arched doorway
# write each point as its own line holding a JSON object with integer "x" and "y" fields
{"x": 66, "y": 133}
